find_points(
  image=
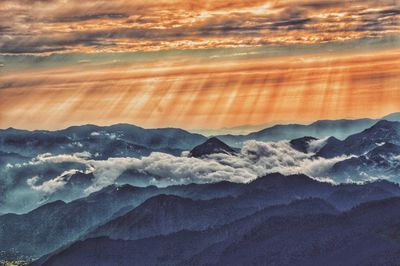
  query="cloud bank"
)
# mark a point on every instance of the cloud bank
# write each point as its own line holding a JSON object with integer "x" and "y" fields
{"x": 255, "y": 160}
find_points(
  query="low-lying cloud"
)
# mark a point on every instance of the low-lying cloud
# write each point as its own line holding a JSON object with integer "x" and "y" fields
{"x": 255, "y": 160}
{"x": 51, "y": 185}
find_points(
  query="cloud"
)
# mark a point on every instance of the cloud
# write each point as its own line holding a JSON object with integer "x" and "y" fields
{"x": 92, "y": 17}
{"x": 315, "y": 145}
{"x": 52, "y": 185}
{"x": 73, "y": 26}
{"x": 49, "y": 158}
{"x": 256, "y": 159}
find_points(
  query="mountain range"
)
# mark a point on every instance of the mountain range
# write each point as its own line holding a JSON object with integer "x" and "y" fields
{"x": 295, "y": 194}
{"x": 132, "y": 213}
{"x": 370, "y": 154}
{"x": 305, "y": 232}
{"x": 320, "y": 129}
{"x": 103, "y": 141}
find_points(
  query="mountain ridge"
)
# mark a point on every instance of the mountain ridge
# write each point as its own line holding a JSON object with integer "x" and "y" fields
{"x": 260, "y": 238}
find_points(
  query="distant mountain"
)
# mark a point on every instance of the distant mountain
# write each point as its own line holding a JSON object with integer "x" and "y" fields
{"x": 108, "y": 141}
{"x": 360, "y": 143}
{"x": 380, "y": 133}
{"x": 306, "y": 232}
{"x": 392, "y": 117}
{"x": 211, "y": 146}
{"x": 319, "y": 129}
{"x": 339, "y": 129}
{"x": 159, "y": 138}
{"x": 18, "y": 148}
{"x": 381, "y": 162}
{"x": 117, "y": 141}
{"x": 236, "y": 130}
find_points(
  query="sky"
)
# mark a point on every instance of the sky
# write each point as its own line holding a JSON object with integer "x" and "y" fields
{"x": 196, "y": 64}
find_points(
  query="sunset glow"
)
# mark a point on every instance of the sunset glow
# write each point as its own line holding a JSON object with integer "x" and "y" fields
{"x": 192, "y": 64}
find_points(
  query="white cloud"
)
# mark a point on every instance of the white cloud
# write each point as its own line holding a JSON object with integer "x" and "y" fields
{"x": 106, "y": 171}
{"x": 51, "y": 185}
{"x": 255, "y": 159}
{"x": 49, "y": 158}
{"x": 315, "y": 145}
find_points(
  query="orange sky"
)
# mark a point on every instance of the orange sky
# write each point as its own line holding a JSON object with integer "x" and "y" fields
{"x": 205, "y": 93}
{"x": 196, "y": 64}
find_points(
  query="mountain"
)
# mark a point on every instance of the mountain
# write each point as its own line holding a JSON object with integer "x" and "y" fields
{"x": 166, "y": 214}
{"x": 19, "y": 161}
{"x": 392, "y": 117}
{"x": 247, "y": 129}
{"x": 340, "y": 129}
{"x": 384, "y": 151}
{"x": 136, "y": 212}
{"x": 381, "y": 162}
{"x": 347, "y": 196}
{"x": 302, "y": 144}
{"x": 159, "y": 138}
{"x": 17, "y": 195}
{"x": 360, "y": 143}
{"x": 236, "y": 130}
{"x": 319, "y": 129}
{"x": 106, "y": 141}
{"x": 382, "y": 132}
{"x": 306, "y": 232}
{"x": 55, "y": 227}
{"x": 22, "y": 177}
{"x": 211, "y": 146}
{"x": 75, "y": 188}
{"x": 183, "y": 237}
{"x": 54, "y": 224}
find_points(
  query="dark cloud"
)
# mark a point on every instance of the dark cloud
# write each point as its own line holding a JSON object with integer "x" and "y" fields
{"x": 92, "y": 17}
{"x": 298, "y": 23}
{"x": 10, "y": 48}
{"x": 5, "y": 29}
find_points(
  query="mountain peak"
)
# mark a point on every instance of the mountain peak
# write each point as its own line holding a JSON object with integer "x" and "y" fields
{"x": 211, "y": 146}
